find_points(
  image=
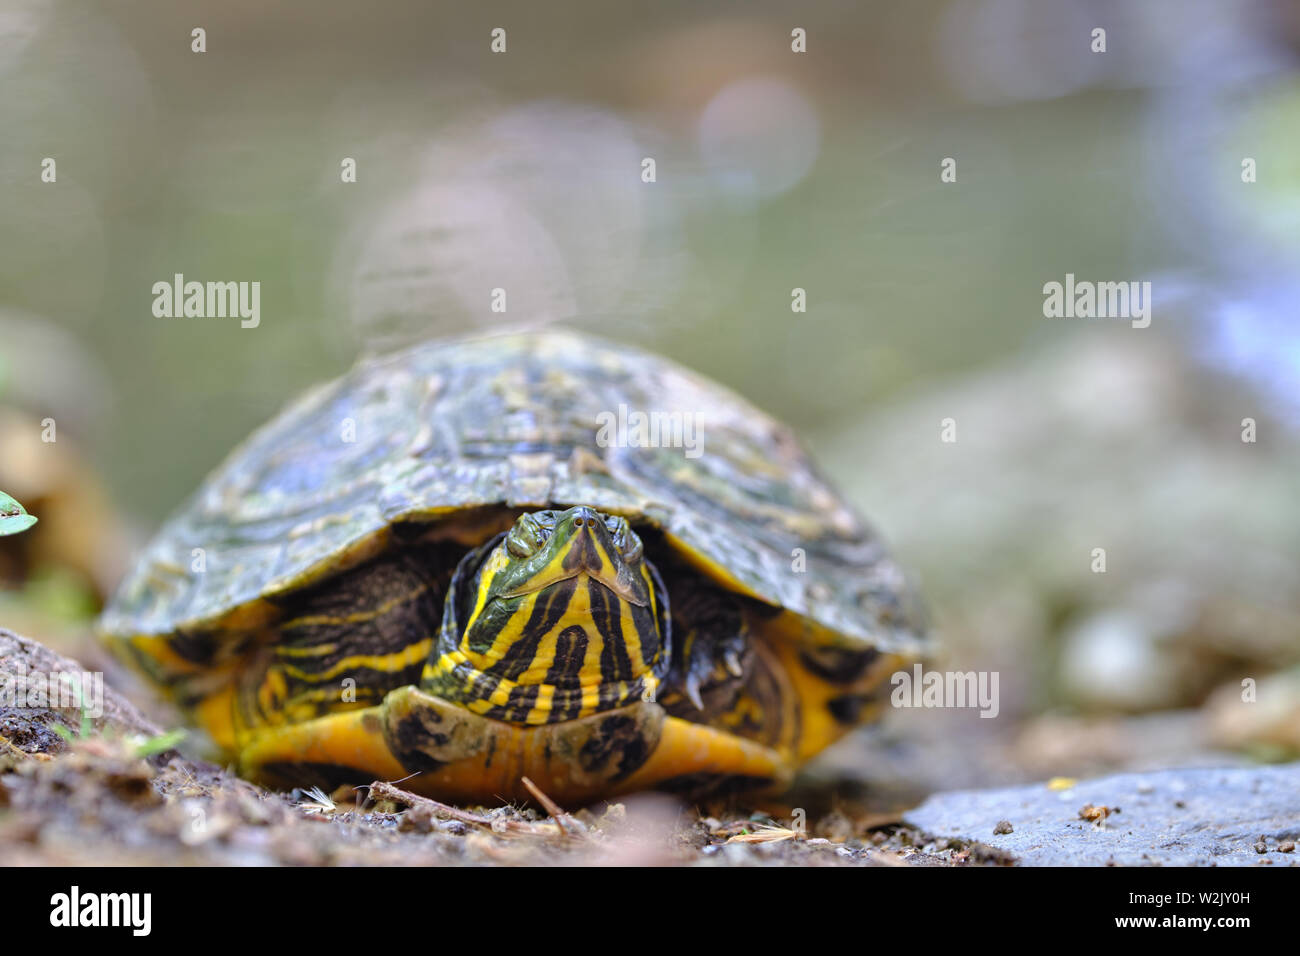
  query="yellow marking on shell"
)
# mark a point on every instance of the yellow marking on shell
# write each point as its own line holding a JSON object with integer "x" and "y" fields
{"x": 250, "y": 616}
{"x": 712, "y": 569}
{"x": 819, "y": 728}
{"x": 787, "y": 635}
{"x": 216, "y": 714}
{"x": 159, "y": 650}
{"x": 386, "y": 663}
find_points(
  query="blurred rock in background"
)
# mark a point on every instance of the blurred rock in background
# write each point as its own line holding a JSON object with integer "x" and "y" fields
{"x": 1110, "y": 440}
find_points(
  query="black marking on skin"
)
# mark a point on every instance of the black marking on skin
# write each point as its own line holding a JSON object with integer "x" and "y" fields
{"x": 583, "y": 554}
{"x": 547, "y": 611}
{"x": 570, "y": 654}
{"x": 411, "y": 579}
{"x": 482, "y": 685}
{"x": 461, "y": 594}
{"x": 662, "y": 639}
{"x": 520, "y": 701}
{"x": 409, "y": 740}
{"x": 615, "y": 664}
{"x": 838, "y": 665}
{"x": 189, "y": 699}
{"x": 848, "y": 708}
{"x": 619, "y": 739}
{"x": 367, "y": 678}
{"x": 178, "y": 684}
{"x": 648, "y": 635}
{"x": 607, "y": 696}
{"x": 619, "y": 684}
{"x": 197, "y": 647}
{"x": 364, "y": 697}
{"x": 564, "y": 674}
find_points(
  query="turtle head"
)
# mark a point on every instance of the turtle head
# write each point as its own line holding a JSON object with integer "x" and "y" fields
{"x": 562, "y": 617}
{"x": 545, "y": 549}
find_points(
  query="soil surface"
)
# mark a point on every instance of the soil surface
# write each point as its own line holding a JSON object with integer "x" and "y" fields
{"x": 115, "y": 790}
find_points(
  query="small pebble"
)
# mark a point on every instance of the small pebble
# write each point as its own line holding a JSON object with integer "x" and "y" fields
{"x": 1003, "y": 826}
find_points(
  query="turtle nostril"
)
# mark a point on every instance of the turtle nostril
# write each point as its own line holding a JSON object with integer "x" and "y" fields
{"x": 577, "y": 522}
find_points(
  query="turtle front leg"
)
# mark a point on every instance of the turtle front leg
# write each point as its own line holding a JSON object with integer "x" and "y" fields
{"x": 712, "y": 652}
{"x": 725, "y": 673}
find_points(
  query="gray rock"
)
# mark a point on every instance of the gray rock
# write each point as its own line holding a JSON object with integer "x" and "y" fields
{"x": 28, "y": 720}
{"x": 1198, "y": 817}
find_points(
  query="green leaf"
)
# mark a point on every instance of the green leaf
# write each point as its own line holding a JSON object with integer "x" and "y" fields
{"x": 13, "y": 516}
{"x": 161, "y": 743}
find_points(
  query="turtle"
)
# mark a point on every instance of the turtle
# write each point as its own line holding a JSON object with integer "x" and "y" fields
{"x": 529, "y": 554}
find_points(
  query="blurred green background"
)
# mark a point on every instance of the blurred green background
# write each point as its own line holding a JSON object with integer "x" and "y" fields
{"x": 775, "y": 170}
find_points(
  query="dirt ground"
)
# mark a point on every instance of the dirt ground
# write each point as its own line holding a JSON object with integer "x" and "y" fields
{"x": 115, "y": 791}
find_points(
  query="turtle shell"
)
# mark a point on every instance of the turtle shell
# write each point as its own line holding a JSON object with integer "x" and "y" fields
{"x": 518, "y": 421}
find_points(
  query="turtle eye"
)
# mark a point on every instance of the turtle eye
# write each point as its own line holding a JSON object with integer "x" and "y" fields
{"x": 625, "y": 539}
{"x": 524, "y": 539}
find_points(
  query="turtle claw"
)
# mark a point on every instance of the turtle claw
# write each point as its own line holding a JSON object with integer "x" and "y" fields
{"x": 693, "y": 692}
{"x": 732, "y": 661}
